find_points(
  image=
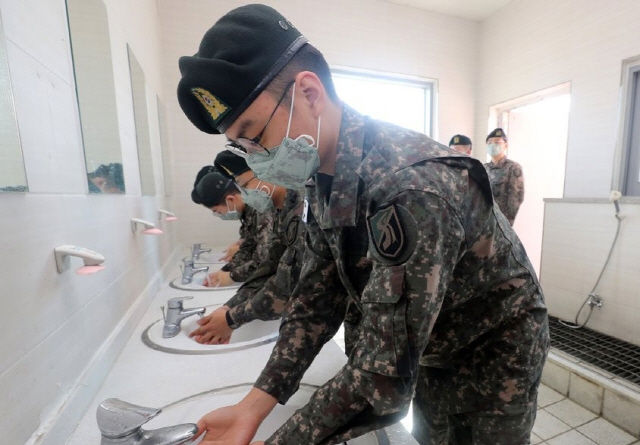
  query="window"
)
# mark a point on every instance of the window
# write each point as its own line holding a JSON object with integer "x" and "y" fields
{"x": 404, "y": 101}
{"x": 631, "y": 134}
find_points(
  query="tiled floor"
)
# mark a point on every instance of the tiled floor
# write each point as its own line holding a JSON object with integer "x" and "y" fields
{"x": 563, "y": 422}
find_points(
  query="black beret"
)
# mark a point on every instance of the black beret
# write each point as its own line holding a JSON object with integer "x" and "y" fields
{"x": 203, "y": 171}
{"x": 230, "y": 165}
{"x": 497, "y": 133}
{"x": 238, "y": 57}
{"x": 459, "y": 139}
{"x": 210, "y": 188}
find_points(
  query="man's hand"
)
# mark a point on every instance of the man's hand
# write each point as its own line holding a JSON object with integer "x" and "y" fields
{"x": 227, "y": 426}
{"x": 230, "y": 251}
{"x": 236, "y": 424}
{"x": 213, "y": 329}
{"x": 218, "y": 279}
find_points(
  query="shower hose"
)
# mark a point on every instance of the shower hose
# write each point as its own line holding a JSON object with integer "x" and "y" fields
{"x": 576, "y": 324}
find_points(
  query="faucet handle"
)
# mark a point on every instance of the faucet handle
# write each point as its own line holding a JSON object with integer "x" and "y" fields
{"x": 117, "y": 418}
{"x": 176, "y": 302}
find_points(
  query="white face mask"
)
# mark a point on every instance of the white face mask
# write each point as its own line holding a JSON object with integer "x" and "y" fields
{"x": 494, "y": 149}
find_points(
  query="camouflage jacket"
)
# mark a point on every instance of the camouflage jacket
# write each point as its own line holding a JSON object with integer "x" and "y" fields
{"x": 507, "y": 183}
{"x": 255, "y": 231}
{"x": 264, "y": 295}
{"x": 440, "y": 278}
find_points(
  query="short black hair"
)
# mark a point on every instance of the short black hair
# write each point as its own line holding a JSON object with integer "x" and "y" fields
{"x": 308, "y": 58}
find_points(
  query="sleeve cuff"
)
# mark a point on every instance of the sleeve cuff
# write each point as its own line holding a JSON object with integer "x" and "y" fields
{"x": 230, "y": 322}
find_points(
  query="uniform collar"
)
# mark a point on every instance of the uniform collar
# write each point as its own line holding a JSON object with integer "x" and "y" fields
{"x": 339, "y": 208}
{"x": 499, "y": 164}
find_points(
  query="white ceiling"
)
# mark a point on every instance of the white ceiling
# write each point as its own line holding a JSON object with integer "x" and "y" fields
{"x": 476, "y": 10}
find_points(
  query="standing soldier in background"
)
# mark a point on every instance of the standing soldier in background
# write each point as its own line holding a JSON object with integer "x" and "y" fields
{"x": 461, "y": 144}
{"x": 399, "y": 228}
{"x": 507, "y": 180}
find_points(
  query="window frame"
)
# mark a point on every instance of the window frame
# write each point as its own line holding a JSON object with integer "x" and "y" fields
{"x": 629, "y": 94}
{"x": 430, "y": 87}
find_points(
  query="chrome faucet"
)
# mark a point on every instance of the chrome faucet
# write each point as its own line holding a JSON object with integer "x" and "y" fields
{"x": 196, "y": 250}
{"x": 188, "y": 270}
{"x": 121, "y": 423}
{"x": 176, "y": 313}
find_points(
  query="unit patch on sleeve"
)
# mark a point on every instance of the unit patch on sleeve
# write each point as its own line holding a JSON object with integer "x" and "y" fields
{"x": 392, "y": 231}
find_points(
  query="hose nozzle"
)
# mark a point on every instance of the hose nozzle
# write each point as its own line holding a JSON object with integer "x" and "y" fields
{"x": 614, "y": 196}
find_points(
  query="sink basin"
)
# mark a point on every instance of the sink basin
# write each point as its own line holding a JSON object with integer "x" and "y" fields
{"x": 196, "y": 284}
{"x": 190, "y": 409}
{"x": 250, "y": 335}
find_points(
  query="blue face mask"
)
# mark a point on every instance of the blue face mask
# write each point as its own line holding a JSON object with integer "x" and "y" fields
{"x": 494, "y": 149}
{"x": 292, "y": 162}
{"x": 259, "y": 198}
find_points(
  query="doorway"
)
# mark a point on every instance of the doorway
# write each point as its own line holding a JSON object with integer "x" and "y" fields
{"x": 537, "y": 127}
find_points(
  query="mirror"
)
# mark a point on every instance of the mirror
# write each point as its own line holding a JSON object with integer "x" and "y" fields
{"x": 166, "y": 154}
{"x": 138, "y": 91}
{"x": 95, "y": 87}
{"x": 12, "y": 175}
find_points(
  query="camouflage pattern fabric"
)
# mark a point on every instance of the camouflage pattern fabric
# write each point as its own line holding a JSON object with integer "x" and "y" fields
{"x": 265, "y": 294}
{"x": 414, "y": 243}
{"x": 507, "y": 182}
{"x": 247, "y": 246}
{"x": 255, "y": 245}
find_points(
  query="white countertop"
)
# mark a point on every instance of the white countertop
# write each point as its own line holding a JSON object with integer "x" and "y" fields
{"x": 151, "y": 378}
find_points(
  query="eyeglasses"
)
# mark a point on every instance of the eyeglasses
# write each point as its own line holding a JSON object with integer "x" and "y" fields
{"x": 244, "y": 147}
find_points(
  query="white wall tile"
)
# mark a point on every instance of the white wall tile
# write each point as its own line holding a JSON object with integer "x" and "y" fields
{"x": 556, "y": 377}
{"x": 577, "y": 241}
{"x": 586, "y": 393}
{"x": 622, "y": 411}
{"x": 59, "y": 322}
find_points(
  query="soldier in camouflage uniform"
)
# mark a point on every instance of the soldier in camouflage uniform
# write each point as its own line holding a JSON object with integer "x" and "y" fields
{"x": 265, "y": 293}
{"x": 505, "y": 175}
{"x": 218, "y": 194}
{"x": 400, "y": 228}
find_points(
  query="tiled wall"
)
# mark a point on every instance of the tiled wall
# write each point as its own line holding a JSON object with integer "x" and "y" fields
{"x": 358, "y": 33}
{"x": 61, "y": 332}
{"x": 529, "y": 46}
{"x": 577, "y": 240}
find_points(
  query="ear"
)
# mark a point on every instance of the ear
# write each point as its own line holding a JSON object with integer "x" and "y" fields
{"x": 313, "y": 92}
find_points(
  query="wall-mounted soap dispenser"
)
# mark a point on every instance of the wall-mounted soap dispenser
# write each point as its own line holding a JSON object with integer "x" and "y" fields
{"x": 168, "y": 216}
{"x": 149, "y": 227}
{"x": 92, "y": 260}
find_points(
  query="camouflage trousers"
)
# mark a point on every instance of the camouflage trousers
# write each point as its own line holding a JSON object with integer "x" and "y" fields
{"x": 437, "y": 424}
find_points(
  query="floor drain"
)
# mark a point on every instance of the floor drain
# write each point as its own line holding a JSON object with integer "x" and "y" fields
{"x": 607, "y": 353}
